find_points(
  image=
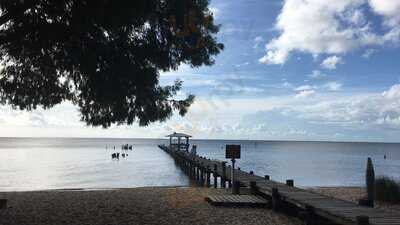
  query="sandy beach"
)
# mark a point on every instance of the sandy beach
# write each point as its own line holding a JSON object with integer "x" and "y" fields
{"x": 157, "y": 205}
{"x": 130, "y": 206}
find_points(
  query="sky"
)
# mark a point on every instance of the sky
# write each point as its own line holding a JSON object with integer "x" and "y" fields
{"x": 291, "y": 70}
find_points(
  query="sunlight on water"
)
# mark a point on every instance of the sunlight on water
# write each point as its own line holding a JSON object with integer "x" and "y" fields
{"x": 312, "y": 163}
{"x": 55, "y": 164}
{"x": 34, "y": 164}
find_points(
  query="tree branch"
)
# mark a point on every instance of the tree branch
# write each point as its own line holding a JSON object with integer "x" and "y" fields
{"x": 19, "y": 10}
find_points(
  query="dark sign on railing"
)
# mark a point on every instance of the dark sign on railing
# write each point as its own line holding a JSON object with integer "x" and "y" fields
{"x": 232, "y": 152}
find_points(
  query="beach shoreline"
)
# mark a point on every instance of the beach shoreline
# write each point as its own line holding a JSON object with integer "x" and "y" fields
{"x": 155, "y": 205}
{"x": 146, "y": 205}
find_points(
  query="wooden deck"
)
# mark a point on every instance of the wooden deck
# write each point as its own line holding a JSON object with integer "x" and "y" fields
{"x": 237, "y": 200}
{"x": 335, "y": 210}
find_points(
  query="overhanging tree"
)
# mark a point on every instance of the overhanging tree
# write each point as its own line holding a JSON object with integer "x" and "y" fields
{"x": 102, "y": 55}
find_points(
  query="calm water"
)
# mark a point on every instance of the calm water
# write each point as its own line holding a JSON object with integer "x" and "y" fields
{"x": 34, "y": 164}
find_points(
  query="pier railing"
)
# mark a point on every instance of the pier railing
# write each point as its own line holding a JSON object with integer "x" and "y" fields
{"x": 312, "y": 207}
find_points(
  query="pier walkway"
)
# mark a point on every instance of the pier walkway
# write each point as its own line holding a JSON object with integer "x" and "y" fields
{"x": 308, "y": 205}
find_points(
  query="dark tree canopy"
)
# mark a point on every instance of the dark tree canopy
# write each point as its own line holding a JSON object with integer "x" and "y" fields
{"x": 102, "y": 55}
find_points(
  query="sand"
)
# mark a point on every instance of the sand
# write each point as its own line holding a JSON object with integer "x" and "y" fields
{"x": 130, "y": 206}
{"x": 160, "y": 205}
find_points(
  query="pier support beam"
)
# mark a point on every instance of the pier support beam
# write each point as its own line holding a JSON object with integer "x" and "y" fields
{"x": 202, "y": 174}
{"x": 3, "y": 203}
{"x": 236, "y": 188}
{"x": 253, "y": 187}
{"x": 208, "y": 176}
{"x": 362, "y": 220}
{"x": 309, "y": 217}
{"x": 197, "y": 171}
{"x": 275, "y": 198}
{"x": 223, "y": 175}
{"x": 215, "y": 175}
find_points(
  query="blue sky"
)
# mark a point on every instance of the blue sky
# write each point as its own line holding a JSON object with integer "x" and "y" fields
{"x": 291, "y": 70}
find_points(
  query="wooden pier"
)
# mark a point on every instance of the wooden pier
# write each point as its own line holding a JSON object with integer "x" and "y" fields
{"x": 306, "y": 204}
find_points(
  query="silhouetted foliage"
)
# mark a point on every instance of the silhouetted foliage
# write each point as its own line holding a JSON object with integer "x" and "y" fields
{"x": 387, "y": 190}
{"x": 104, "y": 56}
{"x": 370, "y": 180}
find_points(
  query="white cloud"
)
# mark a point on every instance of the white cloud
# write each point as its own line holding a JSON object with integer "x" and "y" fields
{"x": 338, "y": 117}
{"x": 355, "y": 17}
{"x": 368, "y": 53}
{"x": 305, "y": 93}
{"x": 277, "y": 56}
{"x": 386, "y": 7}
{"x": 376, "y": 110}
{"x": 304, "y": 88}
{"x": 390, "y": 10}
{"x": 257, "y": 41}
{"x": 307, "y": 90}
{"x": 316, "y": 74}
{"x": 333, "y": 86}
{"x": 199, "y": 82}
{"x": 242, "y": 64}
{"x": 287, "y": 84}
{"x": 237, "y": 88}
{"x": 215, "y": 11}
{"x": 331, "y": 62}
{"x": 62, "y": 115}
{"x": 393, "y": 92}
{"x": 330, "y": 27}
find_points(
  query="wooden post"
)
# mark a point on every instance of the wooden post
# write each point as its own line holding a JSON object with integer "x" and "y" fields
{"x": 197, "y": 171}
{"x": 3, "y": 203}
{"x": 192, "y": 168}
{"x": 223, "y": 175}
{"x": 251, "y": 172}
{"x": 308, "y": 215}
{"x": 366, "y": 203}
{"x": 290, "y": 183}
{"x": 236, "y": 188}
{"x": 362, "y": 220}
{"x": 208, "y": 174}
{"x": 201, "y": 174}
{"x": 253, "y": 187}
{"x": 185, "y": 166}
{"x": 266, "y": 177}
{"x": 275, "y": 198}
{"x": 215, "y": 175}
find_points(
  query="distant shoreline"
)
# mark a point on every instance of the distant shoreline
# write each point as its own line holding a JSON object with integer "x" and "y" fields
{"x": 213, "y": 139}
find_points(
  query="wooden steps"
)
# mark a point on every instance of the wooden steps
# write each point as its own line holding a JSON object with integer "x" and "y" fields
{"x": 237, "y": 200}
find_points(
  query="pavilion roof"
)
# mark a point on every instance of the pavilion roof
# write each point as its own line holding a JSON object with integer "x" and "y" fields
{"x": 179, "y": 135}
